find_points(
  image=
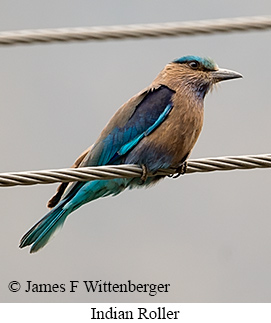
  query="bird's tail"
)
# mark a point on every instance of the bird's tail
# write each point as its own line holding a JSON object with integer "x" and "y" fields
{"x": 40, "y": 234}
{"x": 45, "y": 229}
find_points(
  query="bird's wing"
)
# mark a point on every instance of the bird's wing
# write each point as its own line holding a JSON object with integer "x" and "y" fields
{"x": 135, "y": 120}
{"x": 129, "y": 125}
{"x": 87, "y": 158}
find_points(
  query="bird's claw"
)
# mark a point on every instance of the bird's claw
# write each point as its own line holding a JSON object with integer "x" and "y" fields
{"x": 181, "y": 170}
{"x": 144, "y": 175}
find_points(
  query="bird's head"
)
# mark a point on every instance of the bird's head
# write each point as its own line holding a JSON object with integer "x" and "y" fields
{"x": 198, "y": 74}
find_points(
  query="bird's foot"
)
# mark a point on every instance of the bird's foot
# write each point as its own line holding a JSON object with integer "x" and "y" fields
{"x": 144, "y": 175}
{"x": 181, "y": 170}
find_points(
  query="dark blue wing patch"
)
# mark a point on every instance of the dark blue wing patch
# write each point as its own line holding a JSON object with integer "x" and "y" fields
{"x": 125, "y": 148}
{"x": 148, "y": 115}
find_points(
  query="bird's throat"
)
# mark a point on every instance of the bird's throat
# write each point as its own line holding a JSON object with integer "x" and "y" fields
{"x": 200, "y": 90}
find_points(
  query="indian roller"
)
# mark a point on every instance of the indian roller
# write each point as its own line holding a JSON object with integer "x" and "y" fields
{"x": 156, "y": 128}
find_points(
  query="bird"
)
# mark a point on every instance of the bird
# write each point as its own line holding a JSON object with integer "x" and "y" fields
{"x": 155, "y": 129}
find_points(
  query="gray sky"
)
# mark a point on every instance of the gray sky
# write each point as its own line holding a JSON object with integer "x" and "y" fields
{"x": 207, "y": 235}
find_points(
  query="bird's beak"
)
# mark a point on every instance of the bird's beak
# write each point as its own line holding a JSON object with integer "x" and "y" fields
{"x": 223, "y": 75}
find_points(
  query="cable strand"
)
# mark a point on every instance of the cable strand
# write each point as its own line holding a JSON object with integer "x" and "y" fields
{"x": 128, "y": 171}
{"x": 171, "y": 29}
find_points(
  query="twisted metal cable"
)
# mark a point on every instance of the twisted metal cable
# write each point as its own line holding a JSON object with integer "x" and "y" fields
{"x": 119, "y": 171}
{"x": 135, "y": 31}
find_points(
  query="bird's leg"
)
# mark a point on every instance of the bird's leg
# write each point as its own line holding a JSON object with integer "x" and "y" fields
{"x": 181, "y": 170}
{"x": 144, "y": 175}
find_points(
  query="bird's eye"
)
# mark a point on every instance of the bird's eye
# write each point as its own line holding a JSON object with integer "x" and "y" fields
{"x": 194, "y": 65}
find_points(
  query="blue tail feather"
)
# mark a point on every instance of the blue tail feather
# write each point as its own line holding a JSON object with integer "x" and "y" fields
{"x": 44, "y": 230}
{"x": 40, "y": 234}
